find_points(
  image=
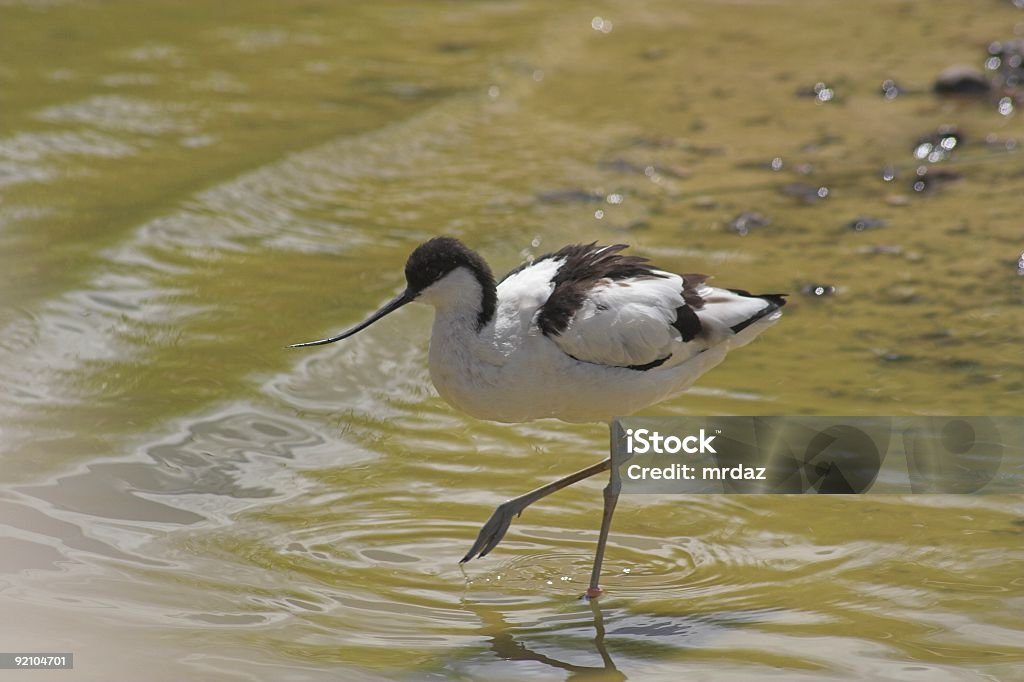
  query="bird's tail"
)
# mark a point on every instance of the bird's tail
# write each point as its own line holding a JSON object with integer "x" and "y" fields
{"x": 737, "y": 314}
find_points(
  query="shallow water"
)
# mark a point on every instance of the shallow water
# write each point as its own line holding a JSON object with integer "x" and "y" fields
{"x": 187, "y": 187}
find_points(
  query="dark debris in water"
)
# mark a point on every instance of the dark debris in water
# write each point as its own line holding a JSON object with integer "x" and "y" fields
{"x": 670, "y": 142}
{"x": 892, "y": 357}
{"x": 891, "y": 89}
{"x": 891, "y": 250}
{"x": 774, "y": 164}
{"x": 747, "y": 221}
{"x": 938, "y": 145}
{"x": 961, "y": 364}
{"x": 805, "y": 192}
{"x": 882, "y": 250}
{"x": 649, "y": 169}
{"x": 1001, "y": 144}
{"x": 938, "y": 335}
{"x": 821, "y": 141}
{"x": 1006, "y": 62}
{"x": 818, "y": 290}
{"x": 622, "y": 166}
{"x": 865, "y": 223}
{"x": 902, "y": 294}
{"x": 1020, "y": 265}
{"x": 897, "y": 200}
{"x": 658, "y": 142}
{"x": 654, "y": 53}
{"x": 760, "y": 165}
{"x": 569, "y": 196}
{"x": 455, "y": 46}
{"x": 928, "y": 179}
{"x": 414, "y": 91}
{"x": 820, "y": 91}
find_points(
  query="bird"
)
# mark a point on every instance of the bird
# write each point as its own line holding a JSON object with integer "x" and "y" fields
{"x": 582, "y": 334}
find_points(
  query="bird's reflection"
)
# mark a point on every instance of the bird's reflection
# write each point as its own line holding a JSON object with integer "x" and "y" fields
{"x": 505, "y": 645}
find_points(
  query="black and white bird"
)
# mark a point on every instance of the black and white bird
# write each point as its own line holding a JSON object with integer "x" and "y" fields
{"x": 583, "y": 334}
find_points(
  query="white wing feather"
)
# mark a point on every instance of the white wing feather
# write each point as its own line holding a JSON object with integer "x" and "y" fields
{"x": 626, "y": 322}
{"x": 520, "y": 295}
{"x": 629, "y": 322}
{"x": 724, "y": 309}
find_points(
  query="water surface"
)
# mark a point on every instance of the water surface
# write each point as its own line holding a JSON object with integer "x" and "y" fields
{"x": 186, "y": 187}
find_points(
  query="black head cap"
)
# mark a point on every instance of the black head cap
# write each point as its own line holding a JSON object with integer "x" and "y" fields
{"x": 428, "y": 263}
{"x": 435, "y": 258}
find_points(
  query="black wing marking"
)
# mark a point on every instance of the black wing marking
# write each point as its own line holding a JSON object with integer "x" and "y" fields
{"x": 687, "y": 322}
{"x": 584, "y": 265}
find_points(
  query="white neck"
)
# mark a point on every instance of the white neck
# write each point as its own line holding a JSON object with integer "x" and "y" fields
{"x": 457, "y": 297}
{"x": 463, "y": 356}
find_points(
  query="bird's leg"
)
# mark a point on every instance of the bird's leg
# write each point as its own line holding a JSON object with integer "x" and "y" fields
{"x": 611, "y": 497}
{"x": 496, "y": 527}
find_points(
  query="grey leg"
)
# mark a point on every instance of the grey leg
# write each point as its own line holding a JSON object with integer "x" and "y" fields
{"x": 496, "y": 527}
{"x": 611, "y": 498}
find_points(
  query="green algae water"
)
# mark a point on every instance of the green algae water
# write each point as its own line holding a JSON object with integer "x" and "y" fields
{"x": 187, "y": 187}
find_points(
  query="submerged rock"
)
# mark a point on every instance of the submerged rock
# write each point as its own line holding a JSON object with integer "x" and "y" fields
{"x": 454, "y": 46}
{"x": 569, "y": 196}
{"x": 938, "y": 145}
{"x": 1006, "y": 62}
{"x": 818, "y": 290}
{"x": 887, "y": 356}
{"x": 865, "y": 223}
{"x": 820, "y": 91}
{"x": 805, "y": 192}
{"x": 747, "y": 221}
{"x": 962, "y": 80}
{"x": 650, "y": 170}
{"x": 929, "y": 178}
{"x": 891, "y": 89}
